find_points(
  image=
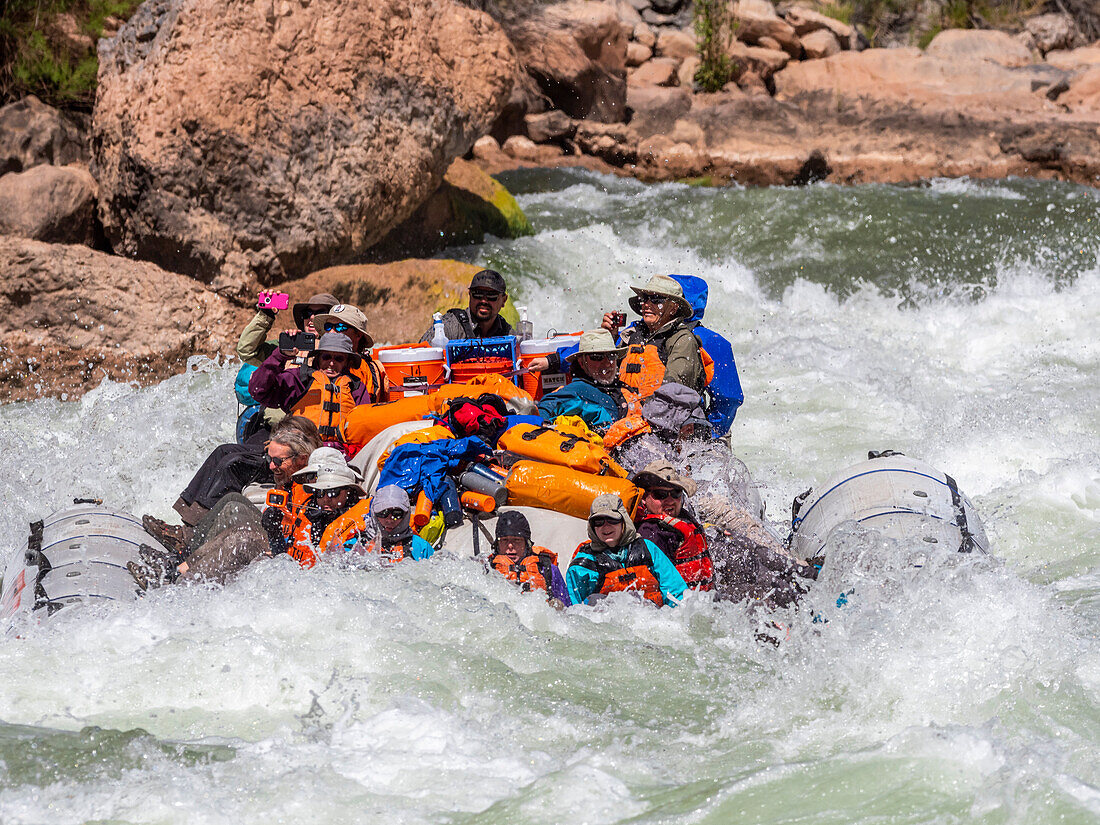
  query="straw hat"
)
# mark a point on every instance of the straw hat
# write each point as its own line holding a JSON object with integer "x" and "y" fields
{"x": 658, "y": 285}
{"x": 346, "y": 314}
{"x": 595, "y": 342}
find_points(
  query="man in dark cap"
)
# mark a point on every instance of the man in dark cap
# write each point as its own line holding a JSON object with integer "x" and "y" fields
{"x": 482, "y": 319}
{"x": 518, "y": 559}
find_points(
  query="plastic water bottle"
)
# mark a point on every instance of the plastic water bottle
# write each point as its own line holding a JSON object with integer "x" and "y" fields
{"x": 439, "y": 337}
{"x": 526, "y": 329}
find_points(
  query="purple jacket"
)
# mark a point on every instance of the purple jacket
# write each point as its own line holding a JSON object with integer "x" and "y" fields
{"x": 275, "y": 386}
{"x": 557, "y": 586}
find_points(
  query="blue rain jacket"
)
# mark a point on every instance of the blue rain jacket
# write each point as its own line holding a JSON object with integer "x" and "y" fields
{"x": 724, "y": 394}
{"x": 583, "y": 398}
{"x": 416, "y": 467}
{"x": 240, "y": 386}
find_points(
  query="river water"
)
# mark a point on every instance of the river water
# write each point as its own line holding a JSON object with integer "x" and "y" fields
{"x": 955, "y": 322}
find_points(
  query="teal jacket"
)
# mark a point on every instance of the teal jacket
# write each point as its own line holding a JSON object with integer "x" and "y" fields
{"x": 585, "y": 578}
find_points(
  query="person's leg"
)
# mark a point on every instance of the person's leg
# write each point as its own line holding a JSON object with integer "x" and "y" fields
{"x": 227, "y": 469}
{"x": 231, "y": 510}
{"x": 225, "y": 554}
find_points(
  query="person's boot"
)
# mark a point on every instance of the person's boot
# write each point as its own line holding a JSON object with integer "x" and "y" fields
{"x": 155, "y": 569}
{"x": 176, "y": 539}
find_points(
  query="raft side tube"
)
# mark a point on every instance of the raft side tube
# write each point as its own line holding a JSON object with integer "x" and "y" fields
{"x": 898, "y": 496}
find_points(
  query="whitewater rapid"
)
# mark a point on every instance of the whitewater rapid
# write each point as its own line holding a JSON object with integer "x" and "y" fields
{"x": 953, "y": 322}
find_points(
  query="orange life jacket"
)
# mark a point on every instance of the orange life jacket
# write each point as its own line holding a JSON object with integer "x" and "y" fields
{"x": 344, "y": 528}
{"x": 624, "y": 429}
{"x": 635, "y": 574}
{"x": 288, "y": 503}
{"x": 642, "y": 370}
{"x": 691, "y": 558}
{"x": 327, "y": 403}
{"x": 532, "y": 572}
{"x": 373, "y": 377}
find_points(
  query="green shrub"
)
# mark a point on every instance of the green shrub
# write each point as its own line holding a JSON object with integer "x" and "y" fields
{"x": 714, "y": 31}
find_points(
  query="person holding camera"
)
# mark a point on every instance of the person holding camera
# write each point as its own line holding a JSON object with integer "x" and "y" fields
{"x": 325, "y": 391}
{"x": 350, "y": 321}
{"x": 254, "y": 347}
{"x": 662, "y": 346}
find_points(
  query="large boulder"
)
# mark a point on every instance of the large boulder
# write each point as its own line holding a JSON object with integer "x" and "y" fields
{"x": 757, "y": 60}
{"x": 576, "y": 51}
{"x": 467, "y": 206}
{"x": 820, "y": 43}
{"x": 69, "y": 316}
{"x": 973, "y": 44}
{"x": 398, "y": 298}
{"x": 804, "y": 21}
{"x": 32, "y": 133}
{"x": 655, "y": 110}
{"x": 49, "y": 203}
{"x": 238, "y": 142}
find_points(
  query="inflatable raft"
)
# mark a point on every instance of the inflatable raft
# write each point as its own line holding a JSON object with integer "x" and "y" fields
{"x": 899, "y": 497}
{"x": 76, "y": 555}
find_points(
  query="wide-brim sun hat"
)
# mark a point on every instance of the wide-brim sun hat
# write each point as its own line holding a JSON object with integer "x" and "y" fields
{"x": 657, "y": 473}
{"x": 321, "y": 302}
{"x": 660, "y": 285}
{"x": 334, "y": 342}
{"x": 333, "y": 478}
{"x": 324, "y": 458}
{"x": 346, "y": 314}
{"x": 595, "y": 342}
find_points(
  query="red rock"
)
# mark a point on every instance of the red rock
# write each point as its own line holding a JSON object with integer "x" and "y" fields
{"x": 764, "y": 62}
{"x": 664, "y": 159}
{"x": 756, "y": 20}
{"x": 676, "y": 44}
{"x": 655, "y": 109}
{"x": 1053, "y": 31}
{"x": 804, "y": 21}
{"x": 49, "y": 203}
{"x": 637, "y": 54}
{"x": 686, "y": 73}
{"x": 974, "y": 44}
{"x": 661, "y": 71}
{"x": 645, "y": 35}
{"x": 1084, "y": 91}
{"x": 32, "y": 133}
{"x": 251, "y": 143}
{"x": 1075, "y": 59}
{"x": 69, "y": 316}
{"x": 819, "y": 44}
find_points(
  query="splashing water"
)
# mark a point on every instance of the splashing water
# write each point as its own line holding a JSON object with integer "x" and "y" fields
{"x": 952, "y": 322}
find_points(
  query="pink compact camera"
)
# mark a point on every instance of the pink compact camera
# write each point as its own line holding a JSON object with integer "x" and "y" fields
{"x": 273, "y": 300}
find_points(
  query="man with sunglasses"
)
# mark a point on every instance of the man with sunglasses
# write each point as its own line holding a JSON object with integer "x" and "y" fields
{"x": 662, "y": 347}
{"x": 481, "y": 319}
{"x": 666, "y": 522}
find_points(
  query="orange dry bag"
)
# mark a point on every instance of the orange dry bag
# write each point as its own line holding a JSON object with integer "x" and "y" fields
{"x": 550, "y": 487}
{"x": 552, "y": 447}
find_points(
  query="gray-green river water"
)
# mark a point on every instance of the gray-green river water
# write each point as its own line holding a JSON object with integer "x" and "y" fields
{"x": 955, "y": 322}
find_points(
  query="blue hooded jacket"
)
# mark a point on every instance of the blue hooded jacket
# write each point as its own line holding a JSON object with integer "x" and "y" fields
{"x": 724, "y": 394}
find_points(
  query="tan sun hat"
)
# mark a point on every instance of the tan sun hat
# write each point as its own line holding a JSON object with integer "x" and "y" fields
{"x": 333, "y": 478}
{"x": 595, "y": 342}
{"x": 346, "y": 314}
{"x": 324, "y": 458}
{"x": 658, "y": 285}
{"x": 661, "y": 472}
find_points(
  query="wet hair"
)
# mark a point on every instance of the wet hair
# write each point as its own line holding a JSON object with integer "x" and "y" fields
{"x": 298, "y": 434}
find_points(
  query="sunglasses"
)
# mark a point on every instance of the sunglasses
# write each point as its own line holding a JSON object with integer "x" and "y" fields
{"x": 333, "y": 356}
{"x": 661, "y": 495}
{"x": 278, "y": 462}
{"x": 333, "y": 493}
{"x": 479, "y": 295}
{"x": 599, "y": 357}
{"x": 652, "y": 298}
{"x": 604, "y": 521}
{"x": 338, "y": 327}
{"x": 394, "y": 513}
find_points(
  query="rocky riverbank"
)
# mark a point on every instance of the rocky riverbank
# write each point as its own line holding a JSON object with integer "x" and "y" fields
{"x": 235, "y": 146}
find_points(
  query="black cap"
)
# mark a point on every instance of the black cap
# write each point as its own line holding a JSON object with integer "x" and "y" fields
{"x": 513, "y": 523}
{"x": 488, "y": 279}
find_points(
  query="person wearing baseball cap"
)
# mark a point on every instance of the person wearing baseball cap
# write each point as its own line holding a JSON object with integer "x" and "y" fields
{"x": 481, "y": 319}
